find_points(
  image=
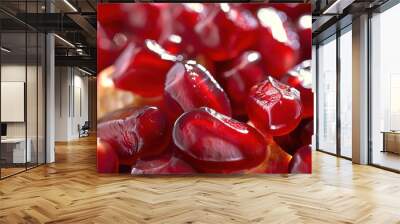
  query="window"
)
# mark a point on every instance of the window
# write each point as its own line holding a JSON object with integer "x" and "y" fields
{"x": 346, "y": 93}
{"x": 385, "y": 89}
{"x": 22, "y": 77}
{"x": 327, "y": 96}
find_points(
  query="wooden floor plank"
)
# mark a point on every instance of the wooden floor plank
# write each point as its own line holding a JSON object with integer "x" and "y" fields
{"x": 70, "y": 191}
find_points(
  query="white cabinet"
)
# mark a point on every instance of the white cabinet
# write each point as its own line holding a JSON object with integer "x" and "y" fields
{"x": 16, "y": 147}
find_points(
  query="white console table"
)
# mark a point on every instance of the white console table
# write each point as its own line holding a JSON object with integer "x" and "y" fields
{"x": 18, "y": 149}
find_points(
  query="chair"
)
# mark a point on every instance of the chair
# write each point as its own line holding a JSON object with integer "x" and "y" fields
{"x": 84, "y": 130}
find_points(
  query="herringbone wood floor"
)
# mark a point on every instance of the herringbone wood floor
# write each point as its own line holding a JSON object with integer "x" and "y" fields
{"x": 70, "y": 191}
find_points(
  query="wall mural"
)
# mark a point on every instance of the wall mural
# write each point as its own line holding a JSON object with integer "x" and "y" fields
{"x": 204, "y": 88}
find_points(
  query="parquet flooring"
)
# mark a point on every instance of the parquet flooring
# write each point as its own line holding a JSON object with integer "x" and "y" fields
{"x": 70, "y": 191}
{"x": 10, "y": 171}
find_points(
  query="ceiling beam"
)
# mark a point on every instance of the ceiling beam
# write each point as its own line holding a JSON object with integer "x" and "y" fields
{"x": 337, "y": 7}
{"x": 85, "y": 25}
{"x": 78, "y": 61}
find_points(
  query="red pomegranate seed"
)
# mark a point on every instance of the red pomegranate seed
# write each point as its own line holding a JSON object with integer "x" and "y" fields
{"x": 299, "y": 137}
{"x": 165, "y": 164}
{"x": 215, "y": 143}
{"x": 276, "y": 161}
{"x": 189, "y": 14}
{"x": 293, "y": 10}
{"x": 252, "y": 7}
{"x": 110, "y": 13}
{"x": 277, "y": 42}
{"x": 207, "y": 63}
{"x": 305, "y": 136}
{"x": 135, "y": 133}
{"x": 108, "y": 49}
{"x": 142, "y": 70}
{"x": 301, "y": 161}
{"x": 304, "y": 31}
{"x": 274, "y": 107}
{"x": 300, "y": 78}
{"x": 140, "y": 20}
{"x": 226, "y": 31}
{"x": 153, "y": 102}
{"x": 185, "y": 17}
{"x": 173, "y": 44}
{"x": 189, "y": 86}
{"x": 107, "y": 159}
{"x": 242, "y": 74}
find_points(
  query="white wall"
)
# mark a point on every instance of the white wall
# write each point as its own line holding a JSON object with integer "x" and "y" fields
{"x": 71, "y": 93}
